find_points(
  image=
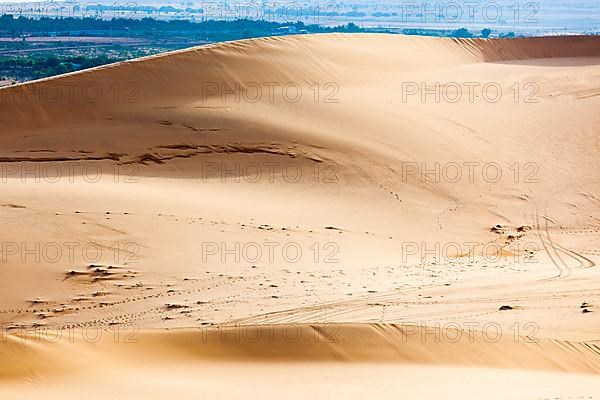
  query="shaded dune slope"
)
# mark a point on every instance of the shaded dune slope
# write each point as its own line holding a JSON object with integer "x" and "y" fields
{"x": 23, "y": 356}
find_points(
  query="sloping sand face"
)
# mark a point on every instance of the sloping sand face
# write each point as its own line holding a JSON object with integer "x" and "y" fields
{"x": 439, "y": 185}
{"x": 350, "y": 360}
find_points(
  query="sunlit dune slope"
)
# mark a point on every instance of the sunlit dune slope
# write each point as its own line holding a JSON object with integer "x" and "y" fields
{"x": 363, "y": 120}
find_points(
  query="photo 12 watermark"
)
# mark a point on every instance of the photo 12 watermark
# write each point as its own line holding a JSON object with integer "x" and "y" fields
{"x": 43, "y": 168}
{"x": 489, "y": 172}
{"x": 269, "y": 172}
{"x": 517, "y": 251}
{"x": 271, "y": 252}
{"x": 67, "y": 92}
{"x": 456, "y": 12}
{"x": 69, "y": 332}
{"x": 270, "y": 92}
{"x": 470, "y": 91}
{"x": 68, "y": 252}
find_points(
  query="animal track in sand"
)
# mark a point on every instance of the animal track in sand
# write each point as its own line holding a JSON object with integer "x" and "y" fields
{"x": 207, "y": 285}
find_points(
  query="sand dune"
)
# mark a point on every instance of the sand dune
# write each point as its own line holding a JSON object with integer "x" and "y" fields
{"x": 341, "y": 179}
{"x": 186, "y": 359}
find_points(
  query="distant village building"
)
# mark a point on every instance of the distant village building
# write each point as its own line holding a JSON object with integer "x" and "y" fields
{"x": 287, "y": 30}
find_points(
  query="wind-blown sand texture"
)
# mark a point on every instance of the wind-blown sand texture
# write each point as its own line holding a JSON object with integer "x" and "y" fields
{"x": 313, "y": 238}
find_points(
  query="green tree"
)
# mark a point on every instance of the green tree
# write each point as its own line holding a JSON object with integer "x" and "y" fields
{"x": 462, "y": 33}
